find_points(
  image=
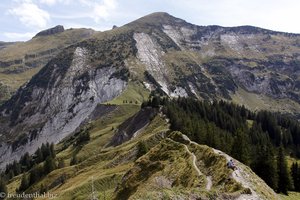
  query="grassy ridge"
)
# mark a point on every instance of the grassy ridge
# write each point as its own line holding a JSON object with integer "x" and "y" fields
{"x": 257, "y": 102}
{"x": 135, "y": 93}
{"x": 105, "y": 165}
{"x": 291, "y": 196}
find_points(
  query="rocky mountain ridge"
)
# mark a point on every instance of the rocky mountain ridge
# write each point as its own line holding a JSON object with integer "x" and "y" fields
{"x": 162, "y": 53}
{"x": 21, "y": 60}
{"x": 51, "y": 31}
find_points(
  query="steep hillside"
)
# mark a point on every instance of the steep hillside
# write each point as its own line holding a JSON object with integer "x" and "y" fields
{"x": 157, "y": 52}
{"x": 178, "y": 168}
{"x": 21, "y": 60}
{"x": 154, "y": 164}
{"x": 63, "y": 94}
{"x": 213, "y": 61}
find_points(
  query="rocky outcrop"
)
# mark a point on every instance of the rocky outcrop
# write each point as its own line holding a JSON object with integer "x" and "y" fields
{"x": 59, "y": 98}
{"x": 33, "y": 60}
{"x": 132, "y": 126}
{"x": 24, "y": 59}
{"x": 215, "y": 61}
{"x": 51, "y": 31}
{"x": 58, "y": 110}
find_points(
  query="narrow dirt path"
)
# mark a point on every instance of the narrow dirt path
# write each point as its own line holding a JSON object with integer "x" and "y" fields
{"x": 194, "y": 160}
{"x": 208, "y": 178}
{"x": 209, "y": 183}
{"x": 240, "y": 176}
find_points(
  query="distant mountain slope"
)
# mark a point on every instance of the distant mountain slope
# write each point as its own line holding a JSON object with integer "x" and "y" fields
{"x": 21, "y": 60}
{"x": 157, "y": 52}
{"x": 63, "y": 94}
{"x": 210, "y": 61}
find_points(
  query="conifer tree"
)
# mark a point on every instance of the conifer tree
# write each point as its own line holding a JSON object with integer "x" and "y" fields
{"x": 264, "y": 165}
{"x": 26, "y": 161}
{"x": 45, "y": 151}
{"x": 3, "y": 188}
{"x": 43, "y": 189}
{"x": 284, "y": 182}
{"x": 49, "y": 165}
{"x": 16, "y": 168}
{"x": 240, "y": 148}
{"x": 24, "y": 183}
{"x": 295, "y": 173}
{"x": 39, "y": 155}
{"x": 52, "y": 151}
{"x": 74, "y": 160}
{"x": 35, "y": 174}
{"x": 142, "y": 149}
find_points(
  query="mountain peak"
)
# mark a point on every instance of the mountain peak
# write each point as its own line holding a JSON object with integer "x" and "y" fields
{"x": 51, "y": 31}
{"x": 159, "y": 15}
{"x": 156, "y": 19}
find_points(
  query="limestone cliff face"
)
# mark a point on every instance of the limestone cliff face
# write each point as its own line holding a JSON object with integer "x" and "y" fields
{"x": 213, "y": 61}
{"x": 19, "y": 61}
{"x": 59, "y": 98}
{"x": 57, "y": 111}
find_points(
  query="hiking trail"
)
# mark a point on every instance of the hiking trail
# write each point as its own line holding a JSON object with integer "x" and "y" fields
{"x": 208, "y": 178}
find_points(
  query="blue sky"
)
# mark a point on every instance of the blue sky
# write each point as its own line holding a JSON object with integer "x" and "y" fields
{"x": 22, "y": 19}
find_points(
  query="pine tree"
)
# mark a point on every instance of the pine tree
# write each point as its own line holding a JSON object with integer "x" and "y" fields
{"x": 3, "y": 188}
{"x": 35, "y": 174}
{"x": 74, "y": 160}
{"x": 240, "y": 148}
{"x": 16, "y": 168}
{"x": 26, "y": 161}
{"x": 295, "y": 173}
{"x": 39, "y": 156}
{"x": 52, "y": 151}
{"x": 155, "y": 102}
{"x": 283, "y": 176}
{"x": 142, "y": 149}
{"x": 24, "y": 183}
{"x": 43, "y": 189}
{"x": 45, "y": 151}
{"x": 264, "y": 165}
{"x": 49, "y": 165}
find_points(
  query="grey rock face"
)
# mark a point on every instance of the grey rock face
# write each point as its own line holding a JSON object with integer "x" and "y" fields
{"x": 132, "y": 126}
{"x": 58, "y": 110}
{"x": 51, "y": 31}
{"x": 219, "y": 60}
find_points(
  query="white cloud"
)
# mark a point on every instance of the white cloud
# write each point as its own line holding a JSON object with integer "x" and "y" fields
{"x": 30, "y": 14}
{"x": 103, "y": 10}
{"x": 48, "y": 2}
{"x": 86, "y": 2}
{"x": 53, "y": 2}
{"x": 18, "y": 36}
{"x": 98, "y": 10}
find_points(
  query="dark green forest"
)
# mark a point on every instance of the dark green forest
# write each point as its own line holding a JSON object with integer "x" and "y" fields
{"x": 36, "y": 166}
{"x": 260, "y": 140}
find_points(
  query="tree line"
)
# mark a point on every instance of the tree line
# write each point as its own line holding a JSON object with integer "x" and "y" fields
{"x": 260, "y": 140}
{"x": 36, "y": 166}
